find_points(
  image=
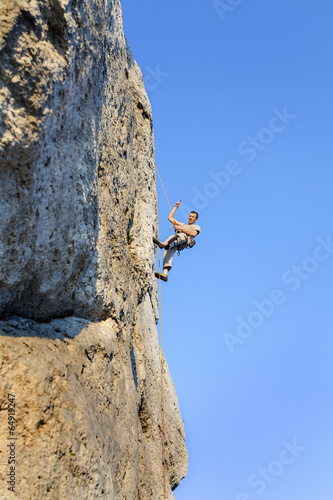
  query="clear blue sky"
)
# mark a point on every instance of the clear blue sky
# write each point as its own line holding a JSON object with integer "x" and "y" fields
{"x": 242, "y": 103}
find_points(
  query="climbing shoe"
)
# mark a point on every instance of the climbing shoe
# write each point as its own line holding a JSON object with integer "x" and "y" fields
{"x": 158, "y": 242}
{"x": 161, "y": 276}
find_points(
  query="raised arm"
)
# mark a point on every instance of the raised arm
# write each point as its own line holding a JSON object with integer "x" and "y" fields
{"x": 171, "y": 217}
{"x": 189, "y": 232}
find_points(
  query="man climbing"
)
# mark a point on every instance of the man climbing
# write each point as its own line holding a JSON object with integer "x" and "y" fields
{"x": 184, "y": 238}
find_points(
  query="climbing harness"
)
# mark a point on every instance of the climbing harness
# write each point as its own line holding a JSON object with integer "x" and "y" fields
{"x": 190, "y": 242}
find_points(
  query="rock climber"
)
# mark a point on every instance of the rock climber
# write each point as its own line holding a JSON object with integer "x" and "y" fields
{"x": 184, "y": 238}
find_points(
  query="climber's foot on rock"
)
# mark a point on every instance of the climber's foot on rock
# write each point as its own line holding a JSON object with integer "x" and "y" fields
{"x": 161, "y": 276}
{"x": 158, "y": 242}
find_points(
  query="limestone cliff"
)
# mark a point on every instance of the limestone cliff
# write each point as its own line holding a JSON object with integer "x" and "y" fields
{"x": 78, "y": 298}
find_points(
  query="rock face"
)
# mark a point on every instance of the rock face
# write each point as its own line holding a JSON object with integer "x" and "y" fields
{"x": 77, "y": 163}
{"x": 78, "y": 298}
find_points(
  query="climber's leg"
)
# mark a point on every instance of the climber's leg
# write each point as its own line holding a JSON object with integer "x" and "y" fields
{"x": 166, "y": 244}
{"x": 171, "y": 246}
{"x": 172, "y": 239}
{"x": 167, "y": 259}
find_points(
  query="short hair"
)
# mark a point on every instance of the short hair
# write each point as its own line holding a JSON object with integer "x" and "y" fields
{"x": 194, "y": 212}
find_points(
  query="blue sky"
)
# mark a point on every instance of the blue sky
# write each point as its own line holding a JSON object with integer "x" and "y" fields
{"x": 242, "y": 103}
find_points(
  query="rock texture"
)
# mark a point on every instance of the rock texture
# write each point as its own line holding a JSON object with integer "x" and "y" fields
{"x": 77, "y": 162}
{"x": 78, "y": 299}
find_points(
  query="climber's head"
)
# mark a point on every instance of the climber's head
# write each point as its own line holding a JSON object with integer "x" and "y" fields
{"x": 193, "y": 217}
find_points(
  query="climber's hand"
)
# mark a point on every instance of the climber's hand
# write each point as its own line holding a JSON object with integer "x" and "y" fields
{"x": 177, "y": 203}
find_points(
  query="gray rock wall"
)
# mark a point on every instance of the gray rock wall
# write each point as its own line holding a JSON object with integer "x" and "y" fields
{"x": 77, "y": 162}
{"x": 78, "y": 298}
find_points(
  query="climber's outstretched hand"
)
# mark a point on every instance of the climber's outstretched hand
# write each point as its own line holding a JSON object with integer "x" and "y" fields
{"x": 172, "y": 213}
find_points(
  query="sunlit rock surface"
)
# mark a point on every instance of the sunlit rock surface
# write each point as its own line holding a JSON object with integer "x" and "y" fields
{"x": 78, "y": 298}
